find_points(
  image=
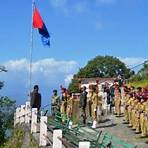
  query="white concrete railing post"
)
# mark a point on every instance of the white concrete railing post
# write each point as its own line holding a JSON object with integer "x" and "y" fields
{"x": 27, "y": 112}
{"x": 43, "y": 131}
{"x": 56, "y": 142}
{"x": 34, "y": 120}
{"x": 14, "y": 119}
{"x": 84, "y": 144}
{"x": 18, "y": 114}
{"x": 22, "y": 114}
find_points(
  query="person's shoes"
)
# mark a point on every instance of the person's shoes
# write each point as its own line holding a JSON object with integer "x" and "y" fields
{"x": 94, "y": 124}
{"x": 143, "y": 136}
{"x": 146, "y": 142}
{"x": 133, "y": 128}
{"x": 137, "y": 132}
{"x": 125, "y": 122}
{"x": 130, "y": 125}
{"x": 118, "y": 116}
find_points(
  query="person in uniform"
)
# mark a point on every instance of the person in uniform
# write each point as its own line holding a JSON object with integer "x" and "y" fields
{"x": 144, "y": 116}
{"x": 117, "y": 101}
{"x": 55, "y": 104}
{"x": 63, "y": 106}
{"x": 94, "y": 102}
{"x": 138, "y": 96}
{"x": 127, "y": 103}
{"x": 35, "y": 98}
{"x": 83, "y": 103}
{"x": 69, "y": 105}
{"x": 131, "y": 105}
{"x": 99, "y": 107}
{"x": 133, "y": 113}
{"x": 112, "y": 95}
{"x": 145, "y": 131}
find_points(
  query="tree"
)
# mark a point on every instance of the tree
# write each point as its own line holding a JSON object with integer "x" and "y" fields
{"x": 101, "y": 66}
{"x": 142, "y": 73}
{"x": 7, "y": 109}
{"x": 74, "y": 85}
{"x": 2, "y": 69}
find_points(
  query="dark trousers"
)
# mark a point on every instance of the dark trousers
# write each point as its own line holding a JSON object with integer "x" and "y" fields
{"x": 83, "y": 114}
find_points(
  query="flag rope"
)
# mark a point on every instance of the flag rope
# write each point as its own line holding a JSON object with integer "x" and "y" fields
{"x": 31, "y": 49}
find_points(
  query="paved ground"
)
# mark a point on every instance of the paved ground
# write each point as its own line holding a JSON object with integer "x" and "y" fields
{"x": 115, "y": 126}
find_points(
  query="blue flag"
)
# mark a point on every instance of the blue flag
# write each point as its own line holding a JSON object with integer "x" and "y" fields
{"x": 40, "y": 25}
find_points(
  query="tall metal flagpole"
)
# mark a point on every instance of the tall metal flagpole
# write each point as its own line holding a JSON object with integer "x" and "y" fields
{"x": 31, "y": 50}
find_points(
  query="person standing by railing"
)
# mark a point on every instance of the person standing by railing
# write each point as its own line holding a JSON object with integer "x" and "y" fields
{"x": 35, "y": 98}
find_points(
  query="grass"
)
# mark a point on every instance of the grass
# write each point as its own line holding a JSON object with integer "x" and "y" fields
{"x": 16, "y": 140}
{"x": 141, "y": 83}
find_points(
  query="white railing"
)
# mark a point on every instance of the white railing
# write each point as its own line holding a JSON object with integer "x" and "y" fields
{"x": 26, "y": 115}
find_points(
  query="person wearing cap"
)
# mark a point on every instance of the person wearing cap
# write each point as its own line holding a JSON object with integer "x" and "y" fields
{"x": 35, "y": 98}
{"x": 135, "y": 107}
{"x": 55, "y": 103}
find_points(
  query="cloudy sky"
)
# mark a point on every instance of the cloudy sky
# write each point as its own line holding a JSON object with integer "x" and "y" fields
{"x": 79, "y": 29}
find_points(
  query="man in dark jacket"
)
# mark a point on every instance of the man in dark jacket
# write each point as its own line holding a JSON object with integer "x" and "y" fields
{"x": 35, "y": 98}
{"x": 83, "y": 103}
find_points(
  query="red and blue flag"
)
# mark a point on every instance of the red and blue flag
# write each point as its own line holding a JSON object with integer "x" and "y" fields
{"x": 40, "y": 25}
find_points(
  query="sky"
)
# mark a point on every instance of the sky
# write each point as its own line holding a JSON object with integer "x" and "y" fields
{"x": 80, "y": 30}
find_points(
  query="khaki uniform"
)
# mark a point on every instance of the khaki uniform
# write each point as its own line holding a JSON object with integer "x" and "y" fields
{"x": 142, "y": 119}
{"x": 99, "y": 108}
{"x": 117, "y": 102}
{"x": 134, "y": 106}
{"x": 69, "y": 107}
{"x": 137, "y": 117}
{"x": 94, "y": 102}
{"x": 63, "y": 107}
{"x": 127, "y": 103}
{"x": 130, "y": 111}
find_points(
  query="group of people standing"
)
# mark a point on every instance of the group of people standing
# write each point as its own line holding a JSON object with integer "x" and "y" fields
{"x": 93, "y": 103}
{"x": 136, "y": 109}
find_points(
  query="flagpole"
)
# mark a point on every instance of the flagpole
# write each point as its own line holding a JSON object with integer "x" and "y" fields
{"x": 31, "y": 50}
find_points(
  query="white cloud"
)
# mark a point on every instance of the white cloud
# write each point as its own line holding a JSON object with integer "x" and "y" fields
{"x": 45, "y": 67}
{"x": 68, "y": 78}
{"x": 47, "y": 73}
{"x": 132, "y": 61}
